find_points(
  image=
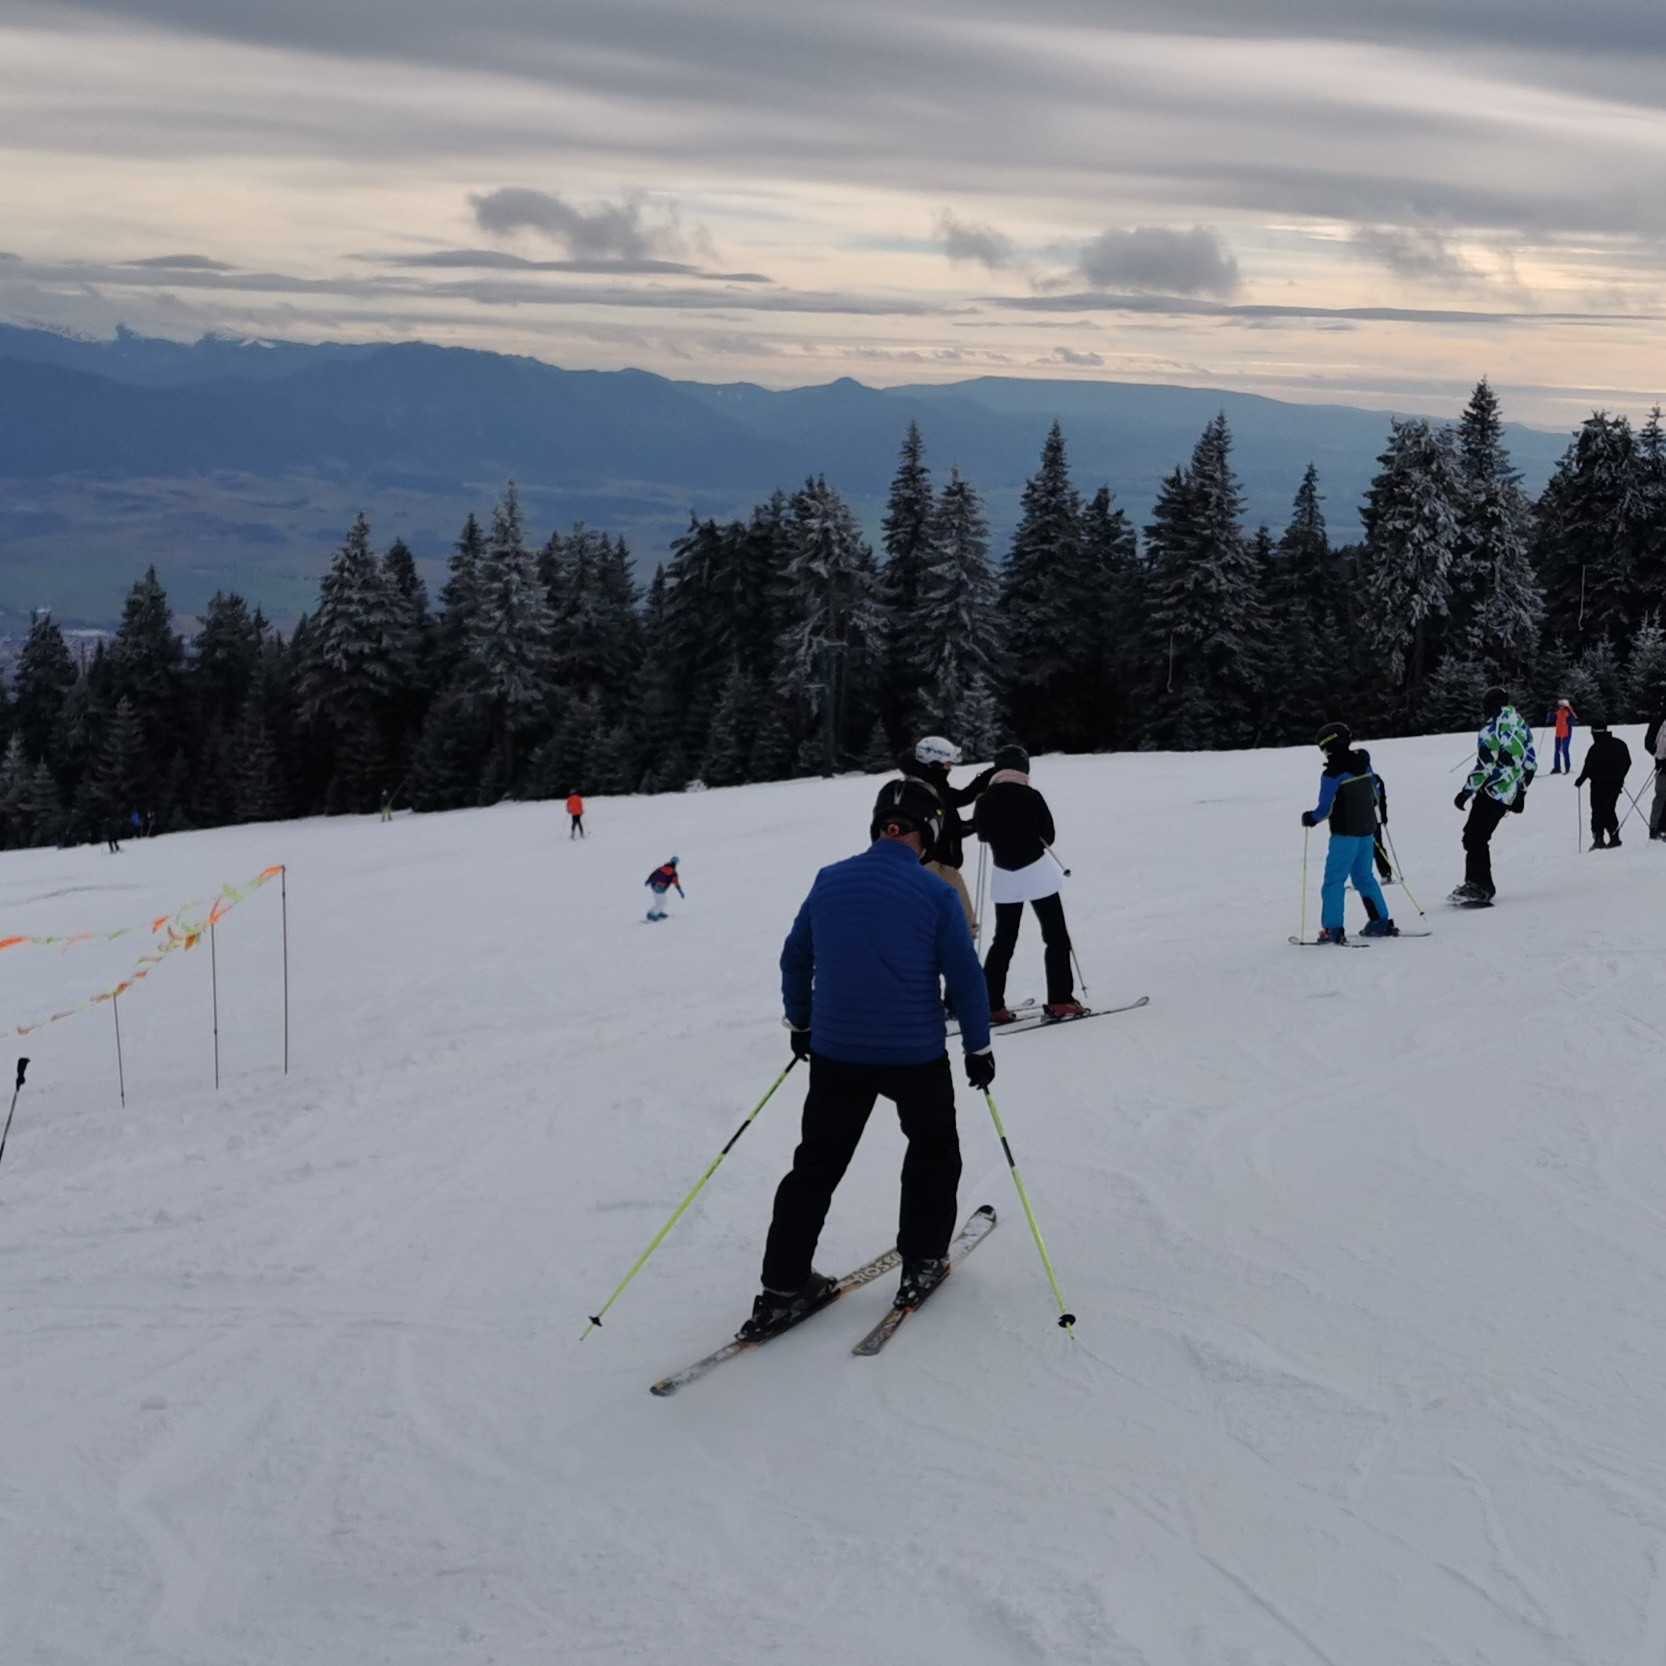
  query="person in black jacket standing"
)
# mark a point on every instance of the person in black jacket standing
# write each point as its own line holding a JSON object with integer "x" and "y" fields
{"x": 929, "y": 761}
{"x": 1607, "y": 763}
{"x": 1014, "y": 821}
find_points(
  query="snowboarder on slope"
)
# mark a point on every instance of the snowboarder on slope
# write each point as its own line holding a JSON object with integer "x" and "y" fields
{"x": 1353, "y": 800}
{"x": 1505, "y": 763}
{"x": 661, "y": 880}
{"x": 1014, "y": 821}
{"x": 575, "y": 809}
{"x": 1607, "y": 763}
{"x": 859, "y": 981}
{"x": 929, "y": 762}
{"x": 1564, "y": 717}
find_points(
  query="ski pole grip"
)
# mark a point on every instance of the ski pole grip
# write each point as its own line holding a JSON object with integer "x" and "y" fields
{"x": 22, "y": 1066}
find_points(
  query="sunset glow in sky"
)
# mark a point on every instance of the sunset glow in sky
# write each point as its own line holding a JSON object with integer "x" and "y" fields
{"x": 1373, "y": 203}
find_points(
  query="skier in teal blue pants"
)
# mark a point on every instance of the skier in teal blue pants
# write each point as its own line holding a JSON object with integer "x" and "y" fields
{"x": 1353, "y": 801}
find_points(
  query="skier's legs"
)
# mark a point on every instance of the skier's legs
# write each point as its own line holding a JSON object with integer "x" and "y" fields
{"x": 924, "y": 1097}
{"x": 1484, "y": 816}
{"x": 1657, "y": 809}
{"x": 836, "y": 1110}
{"x": 1056, "y": 935}
{"x": 952, "y": 877}
{"x": 1339, "y": 863}
{"x": 1364, "y": 875}
{"x": 1564, "y": 753}
{"x": 1008, "y": 917}
{"x": 1605, "y": 804}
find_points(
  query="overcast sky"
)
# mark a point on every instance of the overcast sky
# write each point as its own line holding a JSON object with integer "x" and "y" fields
{"x": 1367, "y": 201}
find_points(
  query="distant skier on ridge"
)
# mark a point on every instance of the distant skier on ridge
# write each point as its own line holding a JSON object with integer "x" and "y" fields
{"x": 575, "y": 810}
{"x": 1505, "y": 763}
{"x": 1354, "y": 801}
{"x": 860, "y": 974}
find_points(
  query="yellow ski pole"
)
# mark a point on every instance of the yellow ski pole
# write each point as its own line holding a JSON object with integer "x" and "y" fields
{"x": 1067, "y": 1319}
{"x": 677, "y": 1213}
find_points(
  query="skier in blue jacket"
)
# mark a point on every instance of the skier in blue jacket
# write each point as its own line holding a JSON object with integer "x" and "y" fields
{"x": 861, "y": 974}
{"x": 1352, "y": 799}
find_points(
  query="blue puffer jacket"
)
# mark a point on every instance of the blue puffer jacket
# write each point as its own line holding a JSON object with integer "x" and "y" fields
{"x": 875, "y": 934}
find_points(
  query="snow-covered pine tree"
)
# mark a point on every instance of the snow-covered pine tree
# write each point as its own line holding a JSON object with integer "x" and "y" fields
{"x": 1496, "y": 601}
{"x": 1601, "y": 664}
{"x": 908, "y": 536}
{"x": 1207, "y": 623}
{"x": 831, "y": 615}
{"x": 1411, "y": 532}
{"x": 1645, "y": 686}
{"x": 1113, "y": 598}
{"x": 16, "y": 824}
{"x": 956, "y": 634}
{"x": 44, "y": 805}
{"x": 45, "y": 675}
{"x": 1593, "y": 516}
{"x": 1050, "y": 638}
{"x": 347, "y": 674}
{"x": 458, "y": 600}
{"x": 257, "y": 771}
{"x": 121, "y": 777}
{"x": 510, "y": 637}
{"x": 1306, "y": 671}
{"x": 729, "y": 740}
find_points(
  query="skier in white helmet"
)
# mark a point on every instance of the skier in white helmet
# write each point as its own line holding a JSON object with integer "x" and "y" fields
{"x": 929, "y": 760}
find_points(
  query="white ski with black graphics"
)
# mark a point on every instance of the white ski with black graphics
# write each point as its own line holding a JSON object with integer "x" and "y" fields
{"x": 979, "y": 1225}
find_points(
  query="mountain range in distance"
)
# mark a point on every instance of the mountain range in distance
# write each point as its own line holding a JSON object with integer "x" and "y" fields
{"x": 239, "y": 464}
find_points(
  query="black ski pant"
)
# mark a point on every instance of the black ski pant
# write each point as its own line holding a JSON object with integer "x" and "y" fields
{"x": 836, "y": 1110}
{"x": 1485, "y": 813}
{"x": 576, "y": 831}
{"x": 1605, "y": 808}
{"x": 1054, "y": 935}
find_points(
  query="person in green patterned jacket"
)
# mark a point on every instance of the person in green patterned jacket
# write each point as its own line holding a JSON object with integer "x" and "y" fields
{"x": 1505, "y": 763}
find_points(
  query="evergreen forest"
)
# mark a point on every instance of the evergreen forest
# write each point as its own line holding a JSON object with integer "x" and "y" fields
{"x": 785, "y": 644}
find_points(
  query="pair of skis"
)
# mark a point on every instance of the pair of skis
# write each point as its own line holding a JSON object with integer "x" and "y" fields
{"x": 979, "y": 1224}
{"x": 1031, "y": 1015}
{"x": 1352, "y": 942}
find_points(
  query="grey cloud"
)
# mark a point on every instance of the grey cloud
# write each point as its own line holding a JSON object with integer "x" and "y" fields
{"x": 1157, "y": 258}
{"x": 181, "y": 263}
{"x": 610, "y": 231}
{"x": 1069, "y": 355}
{"x": 1417, "y": 252}
{"x": 1189, "y": 307}
{"x": 983, "y": 244}
{"x": 499, "y": 260}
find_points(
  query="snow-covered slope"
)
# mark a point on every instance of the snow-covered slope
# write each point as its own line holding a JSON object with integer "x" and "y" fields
{"x": 1369, "y": 1252}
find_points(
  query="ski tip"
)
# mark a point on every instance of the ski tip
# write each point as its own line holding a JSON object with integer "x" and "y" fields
{"x": 986, "y": 1209}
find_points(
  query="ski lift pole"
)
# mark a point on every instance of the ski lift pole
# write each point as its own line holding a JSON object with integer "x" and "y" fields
{"x": 682, "y": 1208}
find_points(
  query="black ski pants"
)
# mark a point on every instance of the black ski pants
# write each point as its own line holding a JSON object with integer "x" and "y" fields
{"x": 836, "y": 1110}
{"x": 1054, "y": 935}
{"x": 576, "y": 831}
{"x": 1485, "y": 813}
{"x": 1605, "y": 810}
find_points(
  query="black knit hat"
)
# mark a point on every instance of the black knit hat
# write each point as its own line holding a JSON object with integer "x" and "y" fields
{"x": 907, "y": 806}
{"x": 1013, "y": 757}
{"x": 1494, "y": 700}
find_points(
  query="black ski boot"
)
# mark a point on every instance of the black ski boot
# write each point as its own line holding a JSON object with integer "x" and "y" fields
{"x": 774, "y": 1310}
{"x": 919, "y": 1279}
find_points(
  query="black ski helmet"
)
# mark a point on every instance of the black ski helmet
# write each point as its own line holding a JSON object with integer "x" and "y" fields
{"x": 1494, "y": 701}
{"x": 907, "y": 806}
{"x": 1335, "y": 737}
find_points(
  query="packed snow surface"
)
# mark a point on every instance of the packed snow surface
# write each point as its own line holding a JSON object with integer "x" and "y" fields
{"x": 1368, "y": 1248}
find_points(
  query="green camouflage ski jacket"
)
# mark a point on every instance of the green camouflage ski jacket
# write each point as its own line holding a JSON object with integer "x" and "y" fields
{"x": 1504, "y": 757}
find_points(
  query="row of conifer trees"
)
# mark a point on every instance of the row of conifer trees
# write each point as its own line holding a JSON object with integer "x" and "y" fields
{"x": 784, "y": 644}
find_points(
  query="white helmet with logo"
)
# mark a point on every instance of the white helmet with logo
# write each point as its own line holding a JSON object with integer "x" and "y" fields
{"x": 935, "y": 750}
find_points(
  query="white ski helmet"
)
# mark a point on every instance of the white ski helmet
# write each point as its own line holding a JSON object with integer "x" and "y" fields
{"x": 935, "y": 750}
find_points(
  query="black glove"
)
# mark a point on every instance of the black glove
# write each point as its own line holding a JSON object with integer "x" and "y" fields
{"x": 1462, "y": 800}
{"x": 801, "y": 1045}
{"x": 980, "y": 1069}
{"x": 1385, "y": 868}
{"x": 1309, "y": 819}
{"x": 1521, "y": 801}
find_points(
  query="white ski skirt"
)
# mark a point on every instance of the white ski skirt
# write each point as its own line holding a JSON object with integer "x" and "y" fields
{"x": 1031, "y": 884}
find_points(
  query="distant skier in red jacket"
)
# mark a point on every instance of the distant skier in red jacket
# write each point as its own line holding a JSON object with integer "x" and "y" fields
{"x": 575, "y": 809}
{"x": 1564, "y": 717}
